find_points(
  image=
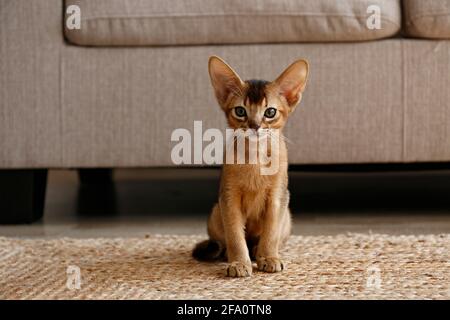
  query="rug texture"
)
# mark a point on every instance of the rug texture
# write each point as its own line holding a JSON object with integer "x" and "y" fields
{"x": 353, "y": 266}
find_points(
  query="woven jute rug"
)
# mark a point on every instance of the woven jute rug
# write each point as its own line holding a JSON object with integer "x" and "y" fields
{"x": 353, "y": 266}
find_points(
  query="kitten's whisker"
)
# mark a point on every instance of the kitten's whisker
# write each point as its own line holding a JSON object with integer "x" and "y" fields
{"x": 280, "y": 135}
{"x": 286, "y": 139}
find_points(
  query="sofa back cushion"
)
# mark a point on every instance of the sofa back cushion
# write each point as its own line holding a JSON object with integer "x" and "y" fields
{"x": 427, "y": 18}
{"x": 179, "y": 22}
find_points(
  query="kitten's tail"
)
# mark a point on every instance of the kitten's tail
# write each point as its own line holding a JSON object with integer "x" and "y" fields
{"x": 209, "y": 250}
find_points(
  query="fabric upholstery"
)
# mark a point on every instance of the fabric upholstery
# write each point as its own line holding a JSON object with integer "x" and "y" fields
{"x": 427, "y": 100}
{"x": 176, "y": 22}
{"x": 120, "y": 106}
{"x": 30, "y": 120}
{"x": 427, "y": 18}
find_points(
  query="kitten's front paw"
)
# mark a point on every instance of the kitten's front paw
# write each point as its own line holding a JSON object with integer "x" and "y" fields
{"x": 239, "y": 269}
{"x": 270, "y": 264}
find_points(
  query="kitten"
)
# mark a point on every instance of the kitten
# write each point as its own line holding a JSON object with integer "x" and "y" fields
{"x": 252, "y": 218}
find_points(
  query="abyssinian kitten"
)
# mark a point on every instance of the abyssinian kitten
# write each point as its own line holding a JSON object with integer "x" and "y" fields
{"x": 252, "y": 218}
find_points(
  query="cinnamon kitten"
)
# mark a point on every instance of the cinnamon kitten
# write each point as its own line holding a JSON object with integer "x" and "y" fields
{"x": 252, "y": 218}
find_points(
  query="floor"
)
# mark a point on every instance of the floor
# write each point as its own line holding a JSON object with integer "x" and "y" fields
{"x": 177, "y": 201}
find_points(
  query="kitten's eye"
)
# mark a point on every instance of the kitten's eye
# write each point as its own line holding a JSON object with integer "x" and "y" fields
{"x": 240, "y": 112}
{"x": 270, "y": 113}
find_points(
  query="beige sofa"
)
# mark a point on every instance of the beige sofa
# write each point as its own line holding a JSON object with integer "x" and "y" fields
{"x": 111, "y": 93}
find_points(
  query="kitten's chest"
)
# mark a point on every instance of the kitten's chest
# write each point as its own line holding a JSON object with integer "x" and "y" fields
{"x": 253, "y": 207}
{"x": 254, "y": 192}
{"x": 251, "y": 180}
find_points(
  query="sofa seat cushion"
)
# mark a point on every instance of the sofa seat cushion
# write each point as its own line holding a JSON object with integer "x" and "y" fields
{"x": 427, "y": 19}
{"x": 179, "y": 22}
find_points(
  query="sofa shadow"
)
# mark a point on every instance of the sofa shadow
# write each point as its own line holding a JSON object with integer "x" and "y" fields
{"x": 412, "y": 192}
{"x": 315, "y": 192}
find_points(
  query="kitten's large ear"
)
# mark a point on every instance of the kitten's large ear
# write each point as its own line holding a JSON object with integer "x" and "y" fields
{"x": 291, "y": 83}
{"x": 224, "y": 80}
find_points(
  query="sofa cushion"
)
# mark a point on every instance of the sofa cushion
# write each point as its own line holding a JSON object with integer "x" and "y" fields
{"x": 427, "y": 19}
{"x": 178, "y": 22}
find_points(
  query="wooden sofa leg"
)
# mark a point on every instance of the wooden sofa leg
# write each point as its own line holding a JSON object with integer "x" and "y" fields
{"x": 22, "y": 195}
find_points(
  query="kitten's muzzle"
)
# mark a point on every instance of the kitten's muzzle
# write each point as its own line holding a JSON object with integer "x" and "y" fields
{"x": 255, "y": 126}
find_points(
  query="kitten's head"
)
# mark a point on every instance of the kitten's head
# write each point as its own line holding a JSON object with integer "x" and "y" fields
{"x": 257, "y": 104}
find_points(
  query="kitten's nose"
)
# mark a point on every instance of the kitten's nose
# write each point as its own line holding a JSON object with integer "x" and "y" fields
{"x": 254, "y": 126}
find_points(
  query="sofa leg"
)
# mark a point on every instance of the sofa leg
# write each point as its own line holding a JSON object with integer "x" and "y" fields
{"x": 22, "y": 195}
{"x": 90, "y": 177}
{"x": 97, "y": 193}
